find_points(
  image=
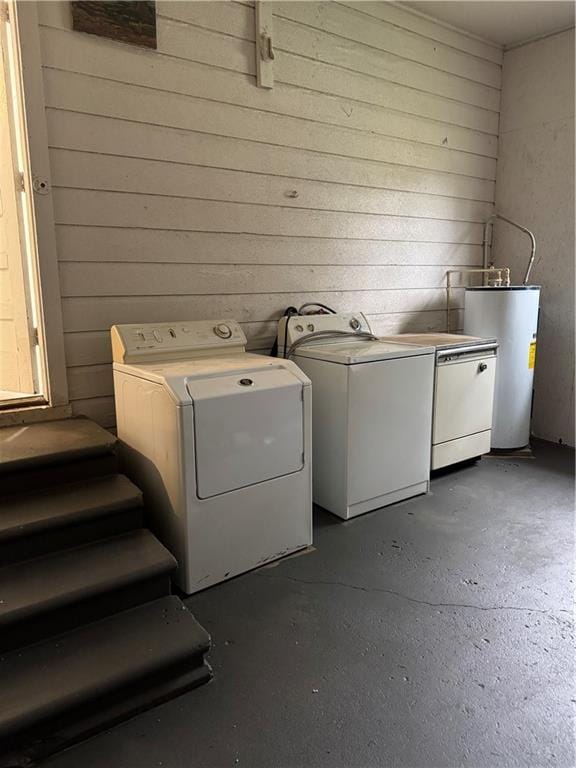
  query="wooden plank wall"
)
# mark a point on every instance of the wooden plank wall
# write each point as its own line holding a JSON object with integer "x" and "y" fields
{"x": 183, "y": 191}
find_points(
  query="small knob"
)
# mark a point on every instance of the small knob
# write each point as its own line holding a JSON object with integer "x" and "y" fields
{"x": 299, "y": 328}
{"x": 482, "y": 367}
{"x": 354, "y": 323}
{"x": 310, "y": 327}
{"x": 223, "y": 331}
{"x": 246, "y": 382}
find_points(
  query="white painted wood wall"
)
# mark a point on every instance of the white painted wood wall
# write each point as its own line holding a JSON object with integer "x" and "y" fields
{"x": 183, "y": 191}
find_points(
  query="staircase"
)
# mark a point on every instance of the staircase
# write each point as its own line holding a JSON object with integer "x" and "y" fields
{"x": 89, "y": 632}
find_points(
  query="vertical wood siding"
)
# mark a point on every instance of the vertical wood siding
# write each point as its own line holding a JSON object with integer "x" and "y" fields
{"x": 181, "y": 190}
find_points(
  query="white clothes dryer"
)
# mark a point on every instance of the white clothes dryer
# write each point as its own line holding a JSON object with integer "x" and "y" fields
{"x": 219, "y": 440}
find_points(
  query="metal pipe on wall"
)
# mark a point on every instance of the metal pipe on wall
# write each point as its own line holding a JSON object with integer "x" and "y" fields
{"x": 486, "y": 243}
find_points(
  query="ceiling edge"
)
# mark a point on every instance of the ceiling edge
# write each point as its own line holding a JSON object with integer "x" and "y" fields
{"x": 535, "y": 39}
{"x": 442, "y": 23}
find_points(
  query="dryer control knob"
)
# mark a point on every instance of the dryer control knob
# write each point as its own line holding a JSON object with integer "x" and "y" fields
{"x": 355, "y": 324}
{"x": 224, "y": 331}
{"x": 299, "y": 328}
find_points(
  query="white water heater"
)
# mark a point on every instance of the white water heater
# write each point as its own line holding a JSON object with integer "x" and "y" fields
{"x": 510, "y": 313}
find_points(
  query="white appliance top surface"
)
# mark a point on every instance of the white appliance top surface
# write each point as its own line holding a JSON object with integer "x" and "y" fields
{"x": 199, "y": 367}
{"x": 440, "y": 340}
{"x": 176, "y": 375}
{"x": 354, "y": 352}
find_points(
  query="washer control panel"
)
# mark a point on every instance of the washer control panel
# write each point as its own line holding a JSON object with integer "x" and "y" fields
{"x": 297, "y": 326}
{"x": 146, "y": 342}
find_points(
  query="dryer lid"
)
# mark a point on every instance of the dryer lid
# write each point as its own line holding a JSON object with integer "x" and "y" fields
{"x": 248, "y": 428}
{"x": 355, "y": 352}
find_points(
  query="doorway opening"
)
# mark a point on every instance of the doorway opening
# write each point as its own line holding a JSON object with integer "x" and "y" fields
{"x": 22, "y": 363}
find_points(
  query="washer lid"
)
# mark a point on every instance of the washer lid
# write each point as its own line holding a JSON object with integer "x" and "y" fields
{"x": 355, "y": 352}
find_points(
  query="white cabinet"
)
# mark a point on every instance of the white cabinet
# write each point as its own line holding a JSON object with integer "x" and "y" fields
{"x": 464, "y": 395}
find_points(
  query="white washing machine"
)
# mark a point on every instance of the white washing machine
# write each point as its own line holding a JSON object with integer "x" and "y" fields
{"x": 463, "y": 394}
{"x": 372, "y": 411}
{"x": 219, "y": 440}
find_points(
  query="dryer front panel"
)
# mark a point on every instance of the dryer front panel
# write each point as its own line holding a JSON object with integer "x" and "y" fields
{"x": 248, "y": 428}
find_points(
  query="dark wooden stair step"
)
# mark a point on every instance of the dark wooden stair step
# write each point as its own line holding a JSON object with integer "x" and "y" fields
{"x": 52, "y": 442}
{"x": 60, "y": 690}
{"x": 47, "y": 453}
{"x": 38, "y": 522}
{"x": 52, "y": 594}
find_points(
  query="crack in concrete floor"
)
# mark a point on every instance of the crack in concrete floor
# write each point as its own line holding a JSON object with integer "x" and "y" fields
{"x": 408, "y": 598}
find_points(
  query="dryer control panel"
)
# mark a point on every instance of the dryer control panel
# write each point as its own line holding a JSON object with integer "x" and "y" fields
{"x": 148, "y": 342}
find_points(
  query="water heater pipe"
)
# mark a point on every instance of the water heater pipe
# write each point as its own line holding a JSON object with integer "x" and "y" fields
{"x": 486, "y": 243}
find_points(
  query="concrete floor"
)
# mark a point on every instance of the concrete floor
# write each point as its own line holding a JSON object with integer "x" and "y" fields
{"x": 436, "y": 632}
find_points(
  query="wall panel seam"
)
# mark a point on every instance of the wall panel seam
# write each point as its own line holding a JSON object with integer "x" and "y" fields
{"x": 318, "y": 61}
{"x": 289, "y": 146}
{"x": 228, "y": 201}
{"x": 59, "y": 148}
{"x": 428, "y": 37}
{"x": 363, "y": 131}
{"x": 391, "y": 53}
{"x": 321, "y": 31}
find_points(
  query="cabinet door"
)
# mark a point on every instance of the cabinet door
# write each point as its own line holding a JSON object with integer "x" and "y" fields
{"x": 463, "y": 398}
